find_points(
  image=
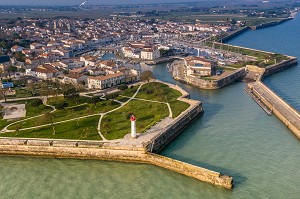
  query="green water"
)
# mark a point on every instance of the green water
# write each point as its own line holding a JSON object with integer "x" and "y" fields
{"x": 234, "y": 136}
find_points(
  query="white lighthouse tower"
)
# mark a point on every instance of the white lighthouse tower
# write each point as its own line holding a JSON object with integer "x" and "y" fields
{"x": 133, "y": 126}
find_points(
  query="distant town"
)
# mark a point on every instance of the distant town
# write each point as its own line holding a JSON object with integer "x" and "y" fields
{"x": 79, "y": 81}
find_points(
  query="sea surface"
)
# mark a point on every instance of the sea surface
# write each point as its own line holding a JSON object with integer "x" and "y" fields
{"x": 234, "y": 136}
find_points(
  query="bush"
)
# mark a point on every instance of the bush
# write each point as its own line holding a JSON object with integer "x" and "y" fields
{"x": 36, "y": 102}
{"x": 112, "y": 96}
{"x": 114, "y": 103}
{"x": 61, "y": 105}
{"x": 149, "y": 91}
{"x": 122, "y": 87}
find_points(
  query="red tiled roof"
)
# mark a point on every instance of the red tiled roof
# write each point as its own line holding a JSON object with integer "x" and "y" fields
{"x": 101, "y": 78}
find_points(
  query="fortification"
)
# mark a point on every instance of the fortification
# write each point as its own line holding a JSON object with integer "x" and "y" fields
{"x": 213, "y": 84}
{"x": 126, "y": 150}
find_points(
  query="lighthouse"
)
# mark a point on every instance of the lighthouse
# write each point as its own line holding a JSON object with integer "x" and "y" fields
{"x": 133, "y": 126}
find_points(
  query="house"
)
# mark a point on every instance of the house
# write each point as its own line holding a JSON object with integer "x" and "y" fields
{"x": 16, "y": 48}
{"x": 36, "y": 45}
{"x": 96, "y": 71}
{"x": 150, "y": 53}
{"x": 89, "y": 60}
{"x": 108, "y": 81}
{"x": 131, "y": 75}
{"x": 75, "y": 78}
{"x": 111, "y": 64}
{"x": 131, "y": 52}
{"x": 45, "y": 71}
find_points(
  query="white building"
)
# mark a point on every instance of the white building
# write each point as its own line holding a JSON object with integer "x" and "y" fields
{"x": 150, "y": 53}
{"x": 45, "y": 72}
{"x": 102, "y": 82}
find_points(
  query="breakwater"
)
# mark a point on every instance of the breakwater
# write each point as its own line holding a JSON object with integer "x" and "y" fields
{"x": 287, "y": 114}
{"x": 285, "y": 64}
{"x": 269, "y": 24}
{"x": 246, "y": 28}
{"x": 271, "y": 102}
{"x": 102, "y": 151}
{"x": 234, "y": 34}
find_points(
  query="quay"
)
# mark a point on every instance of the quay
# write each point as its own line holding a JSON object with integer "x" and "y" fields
{"x": 287, "y": 114}
{"x": 271, "y": 102}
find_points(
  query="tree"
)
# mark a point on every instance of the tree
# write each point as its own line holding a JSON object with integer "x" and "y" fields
{"x": 71, "y": 93}
{"x": 95, "y": 100}
{"x": 11, "y": 69}
{"x": 20, "y": 56}
{"x": 31, "y": 89}
{"x": 123, "y": 87}
{"x": 233, "y": 22}
{"x": 22, "y": 70}
{"x": 147, "y": 76}
{"x": 61, "y": 105}
{"x": 3, "y": 92}
{"x": 36, "y": 103}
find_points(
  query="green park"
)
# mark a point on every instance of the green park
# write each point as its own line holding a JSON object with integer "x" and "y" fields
{"x": 92, "y": 116}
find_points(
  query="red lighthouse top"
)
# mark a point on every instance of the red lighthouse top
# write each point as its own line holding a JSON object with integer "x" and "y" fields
{"x": 132, "y": 118}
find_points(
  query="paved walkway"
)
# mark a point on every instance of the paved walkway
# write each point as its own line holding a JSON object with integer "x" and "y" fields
{"x": 290, "y": 113}
{"x": 123, "y": 104}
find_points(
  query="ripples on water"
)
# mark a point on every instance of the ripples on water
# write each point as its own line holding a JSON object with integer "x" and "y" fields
{"x": 233, "y": 136}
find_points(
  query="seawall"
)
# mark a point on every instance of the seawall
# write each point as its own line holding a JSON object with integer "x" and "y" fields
{"x": 161, "y": 140}
{"x": 96, "y": 150}
{"x": 269, "y": 24}
{"x": 234, "y": 34}
{"x": 292, "y": 61}
{"x": 246, "y": 28}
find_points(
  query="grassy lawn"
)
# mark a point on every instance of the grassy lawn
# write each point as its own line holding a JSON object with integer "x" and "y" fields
{"x": 129, "y": 92}
{"x": 116, "y": 125}
{"x": 72, "y": 102}
{"x": 84, "y": 129}
{"x": 161, "y": 92}
{"x": 68, "y": 113}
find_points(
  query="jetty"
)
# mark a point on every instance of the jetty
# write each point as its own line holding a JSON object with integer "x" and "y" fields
{"x": 271, "y": 102}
